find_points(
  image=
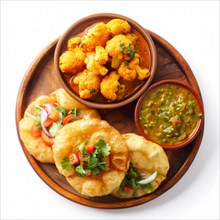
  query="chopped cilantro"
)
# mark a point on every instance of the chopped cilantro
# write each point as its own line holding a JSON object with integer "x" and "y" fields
{"x": 119, "y": 87}
{"x": 93, "y": 91}
{"x": 80, "y": 170}
{"x": 66, "y": 164}
{"x": 82, "y": 148}
{"x": 37, "y": 111}
{"x": 61, "y": 110}
{"x": 103, "y": 147}
{"x": 123, "y": 47}
{"x": 130, "y": 52}
{"x": 74, "y": 112}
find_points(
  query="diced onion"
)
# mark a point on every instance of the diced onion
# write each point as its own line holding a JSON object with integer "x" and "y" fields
{"x": 49, "y": 107}
{"x": 148, "y": 179}
{"x": 43, "y": 118}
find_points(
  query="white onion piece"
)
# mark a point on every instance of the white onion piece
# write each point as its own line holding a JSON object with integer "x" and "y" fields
{"x": 43, "y": 118}
{"x": 143, "y": 174}
{"x": 148, "y": 179}
{"x": 60, "y": 118}
{"x": 49, "y": 107}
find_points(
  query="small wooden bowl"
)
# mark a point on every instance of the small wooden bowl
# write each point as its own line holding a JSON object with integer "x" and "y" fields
{"x": 79, "y": 27}
{"x": 193, "y": 134}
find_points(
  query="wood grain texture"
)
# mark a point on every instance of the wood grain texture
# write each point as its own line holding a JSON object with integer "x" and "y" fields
{"x": 40, "y": 79}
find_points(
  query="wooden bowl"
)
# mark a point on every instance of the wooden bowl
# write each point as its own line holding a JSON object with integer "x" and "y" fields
{"x": 79, "y": 27}
{"x": 160, "y": 125}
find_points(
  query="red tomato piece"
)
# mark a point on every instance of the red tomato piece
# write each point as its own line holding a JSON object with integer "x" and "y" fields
{"x": 89, "y": 148}
{"x": 35, "y": 132}
{"x": 47, "y": 140}
{"x": 68, "y": 119}
{"x": 73, "y": 158}
{"x": 127, "y": 188}
{"x": 48, "y": 122}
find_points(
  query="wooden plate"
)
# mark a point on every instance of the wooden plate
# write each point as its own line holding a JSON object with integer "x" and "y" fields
{"x": 40, "y": 79}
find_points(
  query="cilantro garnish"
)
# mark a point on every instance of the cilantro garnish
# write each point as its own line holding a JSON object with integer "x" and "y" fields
{"x": 74, "y": 112}
{"x": 66, "y": 164}
{"x": 61, "y": 110}
{"x": 37, "y": 111}
{"x": 103, "y": 148}
{"x": 93, "y": 159}
{"x": 130, "y": 52}
{"x": 93, "y": 91}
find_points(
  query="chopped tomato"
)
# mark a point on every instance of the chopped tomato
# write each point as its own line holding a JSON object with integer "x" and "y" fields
{"x": 79, "y": 156}
{"x": 48, "y": 122}
{"x": 35, "y": 132}
{"x": 68, "y": 119}
{"x": 47, "y": 140}
{"x": 73, "y": 158}
{"x": 54, "y": 115}
{"x": 89, "y": 148}
{"x": 108, "y": 161}
{"x": 127, "y": 188}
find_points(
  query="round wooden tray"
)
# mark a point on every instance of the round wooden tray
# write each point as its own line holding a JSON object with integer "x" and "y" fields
{"x": 40, "y": 80}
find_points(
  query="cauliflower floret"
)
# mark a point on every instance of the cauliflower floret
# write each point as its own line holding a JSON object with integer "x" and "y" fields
{"x": 95, "y": 36}
{"x": 142, "y": 73}
{"x": 130, "y": 70}
{"x": 126, "y": 72}
{"x": 73, "y": 42}
{"x": 118, "y": 26}
{"x": 72, "y": 61}
{"x": 110, "y": 86}
{"x": 101, "y": 55}
{"x": 88, "y": 84}
{"x": 120, "y": 47}
{"x": 94, "y": 66}
{"x": 132, "y": 37}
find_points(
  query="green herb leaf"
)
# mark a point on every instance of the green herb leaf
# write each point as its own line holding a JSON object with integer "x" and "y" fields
{"x": 82, "y": 148}
{"x": 65, "y": 163}
{"x": 79, "y": 170}
{"x": 37, "y": 111}
{"x": 74, "y": 112}
{"x": 55, "y": 128}
{"x": 93, "y": 91}
{"x": 130, "y": 52}
{"x": 123, "y": 47}
{"x": 103, "y": 147}
{"x": 96, "y": 171}
{"x": 60, "y": 109}
{"x": 92, "y": 163}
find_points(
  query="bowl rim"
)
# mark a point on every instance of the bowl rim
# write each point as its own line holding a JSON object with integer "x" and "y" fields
{"x": 99, "y": 17}
{"x": 198, "y": 125}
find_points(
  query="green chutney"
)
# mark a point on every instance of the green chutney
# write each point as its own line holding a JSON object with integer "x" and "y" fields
{"x": 169, "y": 114}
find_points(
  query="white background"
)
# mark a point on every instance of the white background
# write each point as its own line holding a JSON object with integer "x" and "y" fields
{"x": 192, "y": 27}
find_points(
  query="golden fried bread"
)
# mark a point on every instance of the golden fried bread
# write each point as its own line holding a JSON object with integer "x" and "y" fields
{"x": 92, "y": 155}
{"x": 146, "y": 159}
{"x": 30, "y": 127}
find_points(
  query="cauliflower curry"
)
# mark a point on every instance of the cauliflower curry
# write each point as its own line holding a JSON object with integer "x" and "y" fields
{"x": 107, "y": 62}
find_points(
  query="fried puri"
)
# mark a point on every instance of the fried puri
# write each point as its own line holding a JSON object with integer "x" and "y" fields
{"x": 92, "y": 155}
{"x": 36, "y": 143}
{"x": 146, "y": 159}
